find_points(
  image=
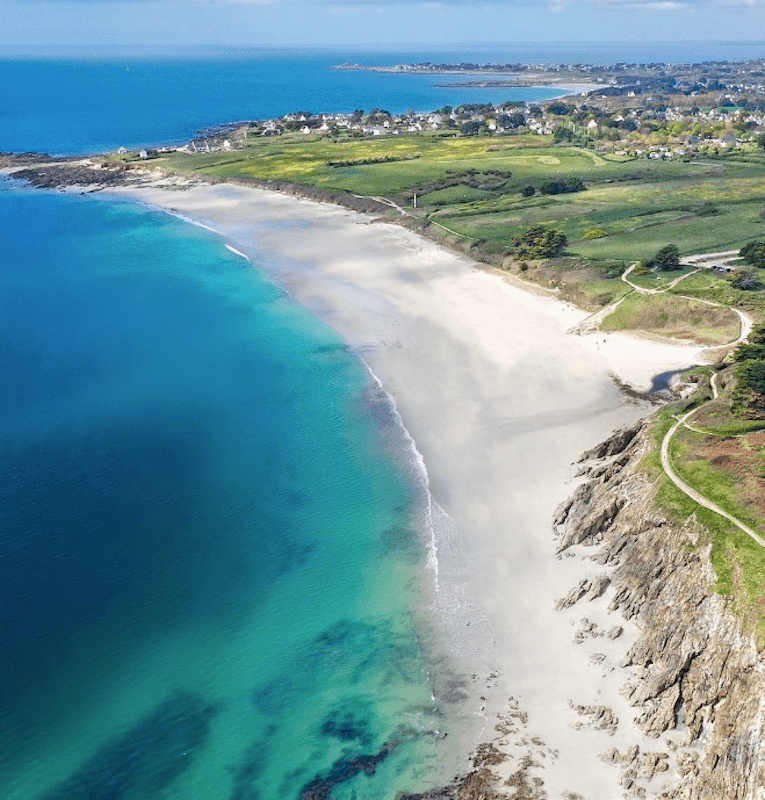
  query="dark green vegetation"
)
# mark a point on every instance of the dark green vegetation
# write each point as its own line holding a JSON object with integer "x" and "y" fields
{"x": 539, "y": 242}
{"x": 754, "y": 254}
{"x": 666, "y": 259}
{"x": 748, "y": 399}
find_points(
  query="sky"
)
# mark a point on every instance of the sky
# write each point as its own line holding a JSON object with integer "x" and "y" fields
{"x": 44, "y": 23}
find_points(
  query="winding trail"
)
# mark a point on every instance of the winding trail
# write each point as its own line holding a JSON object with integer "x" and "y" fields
{"x": 689, "y": 490}
{"x": 746, "y": 322}
{"x": 642, "y": 290}
{"x": 745, "y": 328}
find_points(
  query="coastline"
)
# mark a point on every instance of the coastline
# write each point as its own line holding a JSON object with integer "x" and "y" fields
{"x": 500, "y": 400}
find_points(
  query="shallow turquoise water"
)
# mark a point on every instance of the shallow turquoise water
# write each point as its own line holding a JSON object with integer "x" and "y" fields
{"x": 209, "y": 558}
{"x": 211, "y": 563}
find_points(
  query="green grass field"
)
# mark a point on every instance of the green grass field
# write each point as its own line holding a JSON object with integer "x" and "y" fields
{"x": 640, "y": 204}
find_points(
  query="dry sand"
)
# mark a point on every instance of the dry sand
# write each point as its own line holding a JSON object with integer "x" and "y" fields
{"x": 500, "y": 401}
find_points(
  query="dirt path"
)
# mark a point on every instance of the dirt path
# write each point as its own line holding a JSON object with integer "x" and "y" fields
{"x": 746, "y": 322}
{"x": 590, "y": 324}
{"x": 690, "y": 491}
{"x": 642, "y": 290}
{"x": 723, "y": 257}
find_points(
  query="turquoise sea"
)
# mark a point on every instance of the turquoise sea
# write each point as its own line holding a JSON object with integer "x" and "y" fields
{"x": 213, "y": 540}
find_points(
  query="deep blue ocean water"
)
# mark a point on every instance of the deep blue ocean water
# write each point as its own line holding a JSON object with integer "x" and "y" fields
{"x": 96, "y": 102}
{"x": 206, "y": 543}
{"x": 211, "y": 556}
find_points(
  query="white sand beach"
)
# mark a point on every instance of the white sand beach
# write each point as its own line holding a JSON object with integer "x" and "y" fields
{"x": 500, "y": 401}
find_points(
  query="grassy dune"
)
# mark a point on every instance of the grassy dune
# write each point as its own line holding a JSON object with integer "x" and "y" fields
{"x": 674, "y": 317}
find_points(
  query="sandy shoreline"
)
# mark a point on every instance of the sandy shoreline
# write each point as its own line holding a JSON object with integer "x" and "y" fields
{"x": 500, "y": 401}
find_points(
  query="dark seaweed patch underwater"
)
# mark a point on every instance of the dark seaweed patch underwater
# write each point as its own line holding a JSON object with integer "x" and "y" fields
{"x": 147, "y": 758}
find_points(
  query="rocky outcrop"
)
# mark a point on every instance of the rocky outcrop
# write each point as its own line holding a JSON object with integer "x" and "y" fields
{"x": 696, "y": 673}
{"x": 59, "y": 176}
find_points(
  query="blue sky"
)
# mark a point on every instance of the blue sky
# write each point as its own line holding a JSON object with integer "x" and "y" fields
{"x": 363, "y": 22}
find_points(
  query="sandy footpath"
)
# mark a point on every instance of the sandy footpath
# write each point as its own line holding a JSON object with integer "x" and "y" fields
{"x": 500, "y": 401}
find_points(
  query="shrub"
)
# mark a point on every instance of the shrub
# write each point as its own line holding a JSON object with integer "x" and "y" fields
{"x": 561, "y": 134}
{"x": 562, "y": 186}
{"x": 540, "y": 242}
{"x": 749, "y": 394}
{"x": 528, "y": 191}
{"x": 611, "y": 269}
{"x": 746, "y": 280}
{"x": 595, "y": 233}
{"x": 754, "y": 347}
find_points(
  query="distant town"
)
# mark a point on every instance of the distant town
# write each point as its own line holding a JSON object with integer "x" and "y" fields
{"x": 635, "y": 110}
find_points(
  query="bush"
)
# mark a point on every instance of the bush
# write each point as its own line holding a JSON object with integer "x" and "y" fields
{"x": 528, "y": 191}
{"x": 561, "y": 134}
{"x": 753, "y": 348}
{"x": 746, "y": 280}
{"x": 595, "y": 233}
{"x": 562, "y": 186}
{"x": 611, "y": 269}
{"x": 707, "y": 210}
{"x": 749, "y": 394}
{"x": 540, "y": 242}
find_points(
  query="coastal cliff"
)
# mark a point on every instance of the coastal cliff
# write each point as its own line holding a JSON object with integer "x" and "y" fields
{"x": 695, "y": 669}
{"x": 694, "y": 675}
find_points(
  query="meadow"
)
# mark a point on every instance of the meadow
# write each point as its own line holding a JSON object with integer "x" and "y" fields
{"x": 629, "y": 209}
{"x": 478, "y": 193}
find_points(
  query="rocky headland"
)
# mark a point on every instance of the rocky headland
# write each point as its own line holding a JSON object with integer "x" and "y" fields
{"x": 694, "y": 676}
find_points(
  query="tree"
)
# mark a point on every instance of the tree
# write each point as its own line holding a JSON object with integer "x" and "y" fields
{"x": 561, "y": 109}
{"x": 761, "y": 140}
{"x": 562, "y": 133}
{"x": 471, "y": 128}
{"x": 754, "y": 254}
{"x": 753, "y": 348}
{"x": 540, "y": 242}
{"x": 668, "y": 258}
